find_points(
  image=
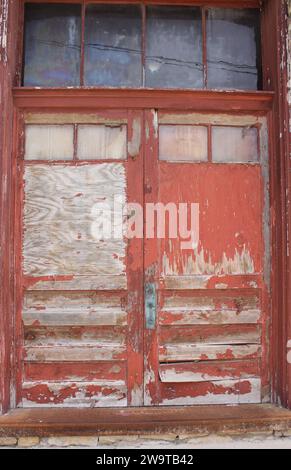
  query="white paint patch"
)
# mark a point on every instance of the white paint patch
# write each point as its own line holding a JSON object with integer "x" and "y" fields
{"x": 149, "y": 377}
{"x": 199, "y": 263}
{"x": 135, "y": 142}
{"x": 137, "y": 396}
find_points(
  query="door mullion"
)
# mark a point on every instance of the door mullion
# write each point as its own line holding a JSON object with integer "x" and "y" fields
{"x": 135, "y": 264}
{"x": 151, "y": 262}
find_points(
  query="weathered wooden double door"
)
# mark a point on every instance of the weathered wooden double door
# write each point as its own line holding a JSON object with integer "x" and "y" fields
{"x": 173, "y": 319}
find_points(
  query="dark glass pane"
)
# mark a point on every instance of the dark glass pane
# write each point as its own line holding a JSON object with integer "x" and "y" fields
{"x": 233, "y": 49}
{"x": 174, "y": 48}
{"x": 113, "y": 46}
{"x": 52, "y": 45}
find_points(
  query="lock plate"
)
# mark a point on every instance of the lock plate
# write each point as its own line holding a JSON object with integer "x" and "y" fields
{"x": 150, "y": 305}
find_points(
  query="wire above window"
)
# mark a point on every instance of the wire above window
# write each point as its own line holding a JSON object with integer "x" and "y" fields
{"x": 137, "y": 46}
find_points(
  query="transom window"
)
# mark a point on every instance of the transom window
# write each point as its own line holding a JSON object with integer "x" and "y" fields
{"x": 134, "y": 46}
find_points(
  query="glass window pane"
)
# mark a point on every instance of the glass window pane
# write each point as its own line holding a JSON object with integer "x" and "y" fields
{"x": 113, "y": 46}
{"x": 52, "y": 45}
{"x": 99, "y": 141}
{"x": 234, "y": 144}
{"x": 182, "y": 143}
{"x": 49, "y": 142}
{"x": 233, "y": 40}
{"x": 174, "y": 47}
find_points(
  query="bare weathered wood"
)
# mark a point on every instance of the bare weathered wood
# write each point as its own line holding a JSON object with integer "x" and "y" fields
{"x": 88, "y": 283}
{"x": 214, "y": 334}
{"x": 74, "y": 344}
{"x": 83, "y": 352}
{"x": 59, "y": 220}
{"x": 179, "y": 309}
{"x": 193, "y": 317}
{"x": 200, "y": 299}
{"x": 205, "y": 281}
{"x": 190, "y": 118}
{"x": 66, "y": 317}
{"x": 109, "y": 118}
{"x": 73, "y": 309}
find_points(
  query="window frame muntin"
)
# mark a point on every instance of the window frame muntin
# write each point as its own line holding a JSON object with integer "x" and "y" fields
{"x": 204, "y": 5}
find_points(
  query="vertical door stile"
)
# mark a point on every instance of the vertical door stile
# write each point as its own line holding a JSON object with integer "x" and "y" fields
{"x": 135, "y": 264}
{"x": 151, "y": 258}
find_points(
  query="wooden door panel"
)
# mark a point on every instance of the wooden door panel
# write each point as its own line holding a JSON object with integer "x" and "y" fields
{"x": 230, "y": 218}
{"x": 209, "y": 344}
{"x": 58, "y": 219}
{"x": 81, "y": 328}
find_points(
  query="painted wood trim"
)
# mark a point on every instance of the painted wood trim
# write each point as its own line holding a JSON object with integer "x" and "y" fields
{"x": 8, "y": 131}
{"x": 135, "y": 194}
{"x": 274, "y": 38}
{"x": 94, "y": 98}
{"x": 213, "y": 3}
{"x": 151, "y": 260}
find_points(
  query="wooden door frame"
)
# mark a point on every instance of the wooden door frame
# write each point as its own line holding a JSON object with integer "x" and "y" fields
{"x": 274, "y": 105}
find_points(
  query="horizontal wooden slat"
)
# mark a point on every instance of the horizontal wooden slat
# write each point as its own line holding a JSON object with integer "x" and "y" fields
{"x": 83, "y": 352}
{"x": 55, "y": 283}
{"x": 204, "y": 351}
{"x": 212, "y": 298}
{"x": 74, "y": 371}
{"x": 87, "y": 394}
{"x": 211, "y": 281}
{"x": 206, "y": 393}
{"x": 208, "y": 371}
{"x": 192, "y": 317}
{"x": 70, "y": 336}
{"x": 214, "y": 334}
{"x": 58, "y": 317}
{"x": 40, "y": 300}
{"x": 220, "y": 307}
{"x": 74, "y": 308}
